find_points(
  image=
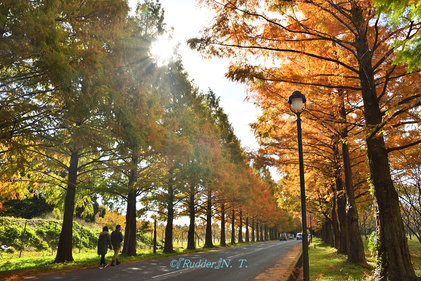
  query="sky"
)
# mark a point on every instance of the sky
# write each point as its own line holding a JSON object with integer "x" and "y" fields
{"x": 187, "y": 20}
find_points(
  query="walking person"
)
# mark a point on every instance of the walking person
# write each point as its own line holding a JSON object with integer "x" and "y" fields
{"x": 116, "y": 239}
{"x": 104, "y": 242}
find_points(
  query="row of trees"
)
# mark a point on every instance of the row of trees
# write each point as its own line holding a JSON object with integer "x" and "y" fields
{"x": 253, "y": 232}
{"x": 86, "y": 111}
{"x": 362, "y": 123}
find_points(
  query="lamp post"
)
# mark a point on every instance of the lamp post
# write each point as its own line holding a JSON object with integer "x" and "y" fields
{"x": 297, "y": 104}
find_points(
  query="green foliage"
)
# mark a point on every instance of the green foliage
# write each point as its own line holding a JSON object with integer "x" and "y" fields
{"x": 29, "y": 208}
{"x": 10, "y": 235}
{"x": 13, "y": 235}
{"x": 42, "y": 234}
{"x": 145, "y": 240}
{"x": 373, "y": 244}
{"x": 84, "y": 237}
{"x": 404, "y": 13}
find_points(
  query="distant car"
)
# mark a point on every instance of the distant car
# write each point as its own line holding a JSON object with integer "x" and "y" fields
{"x": 290, "y": 236}
{"x": 299, "y": 236}
{"x": 283, "y": 237}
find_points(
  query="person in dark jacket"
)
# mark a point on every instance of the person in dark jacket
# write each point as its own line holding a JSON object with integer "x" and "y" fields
{"x": 116, "y": 239}
{"x": 104, "y": 242}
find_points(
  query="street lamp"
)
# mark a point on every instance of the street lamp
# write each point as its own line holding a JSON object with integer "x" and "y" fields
{"x": 297, "y": 104}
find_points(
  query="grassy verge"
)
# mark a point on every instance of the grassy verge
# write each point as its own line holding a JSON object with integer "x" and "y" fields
{"x": 16, "y": 268}
{"x": 326, "y": 264}
{"x": 415, "y": 250}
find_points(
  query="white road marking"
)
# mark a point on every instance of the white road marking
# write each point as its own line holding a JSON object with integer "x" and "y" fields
{"x": 175, "y": 272}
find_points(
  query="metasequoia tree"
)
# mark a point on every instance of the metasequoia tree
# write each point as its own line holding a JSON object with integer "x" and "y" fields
{"x": 60, "y": 40}
{"x": 177, "y": 146}
{"x": 197, "y": 172}
{"x": 338, "y": 125}
{"x": 212, "y": 137}
{"x": 62, "y": 73}
{"x": 134, "y": 113}
{"x": 327, "y": 45}
{"x": 323, "y": 164}
{"x": 51, "y": 95}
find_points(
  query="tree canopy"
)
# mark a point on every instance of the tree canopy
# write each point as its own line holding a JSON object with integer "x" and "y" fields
{"x": 339, "y": 54}
{"x": 87, "y": 112}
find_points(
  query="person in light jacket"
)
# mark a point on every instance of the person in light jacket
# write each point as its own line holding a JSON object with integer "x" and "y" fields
{"x": 116, "y": 239}
{"x": 104, "y": 242}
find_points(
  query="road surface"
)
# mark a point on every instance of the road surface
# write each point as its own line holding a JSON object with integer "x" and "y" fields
{"x": 239, "y": 263}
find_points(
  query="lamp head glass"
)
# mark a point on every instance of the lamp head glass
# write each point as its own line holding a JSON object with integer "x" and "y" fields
{"x": 297, "y": 101}
{"x": 297, "y": 104}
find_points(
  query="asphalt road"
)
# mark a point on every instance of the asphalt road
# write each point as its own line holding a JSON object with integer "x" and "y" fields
{"x": 240, "y": 263}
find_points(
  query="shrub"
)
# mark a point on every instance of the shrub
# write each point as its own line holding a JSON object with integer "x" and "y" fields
{"x": 44, "y": 245}
{"x": 43, "y": 234}
{"x": 11, "y": 235}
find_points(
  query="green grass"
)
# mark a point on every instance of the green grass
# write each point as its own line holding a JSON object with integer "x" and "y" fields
{"x": 13, "y": 267}
{"x": 415, "y": 250}
{"x": 326, "y": 264}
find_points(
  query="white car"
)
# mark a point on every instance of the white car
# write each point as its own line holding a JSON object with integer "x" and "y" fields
{"x": 299, "y": 236}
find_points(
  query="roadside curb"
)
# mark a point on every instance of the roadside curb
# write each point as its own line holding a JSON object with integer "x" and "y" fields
{"x": 295, "y": 267}
{"x": 283, "y": 268}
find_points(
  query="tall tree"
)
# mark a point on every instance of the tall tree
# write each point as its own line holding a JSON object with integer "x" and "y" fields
{"x": 135, "y": 112}
{"x": 177, "y": 147}
{"x": 309, "y": 40}
{"x": 60, "y": 79}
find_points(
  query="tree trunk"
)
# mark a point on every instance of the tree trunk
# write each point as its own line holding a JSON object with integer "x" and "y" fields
{"x": 356, "y": 252}
{"x": 327, "y": 235}
{"x": 190, "y": 237}
{"x": 233, "y": 227}
{"x": 266, "y": 233}
{"x": 168, "y": 246}
{"x": 64, "y": 250}
{"x": 223, "y": 242}
{"x": 394, "y": 260}
{"x": 252, "y": 230}
{"x": 323, "y": 233}
{"x": 129, "y": 245}
{"x": 154, "y": 236}
{"x": 247, "y": 230}
{"x": 335, "y": 224}
{"x": 261, "y": 232}
{"x": 240, "y": 232}
{"x": 343, "y": 224}
{"x": 208, "y": 237}
{"x": 257, "y": 232}
{"x": 342, "y": 240}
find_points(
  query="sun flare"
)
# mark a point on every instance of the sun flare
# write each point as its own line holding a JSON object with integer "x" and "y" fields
{"x": 162, "y": 50}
